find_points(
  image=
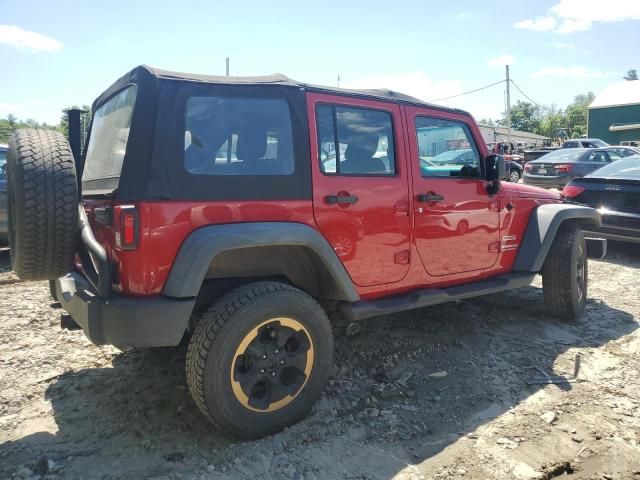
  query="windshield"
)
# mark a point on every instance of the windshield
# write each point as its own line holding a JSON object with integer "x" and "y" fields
{"x": 109, "y": 136}
{"x": 627, "y": 168}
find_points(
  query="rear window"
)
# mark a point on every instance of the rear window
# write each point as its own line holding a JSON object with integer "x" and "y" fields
{"x": 109, "y": 136}
{"x": 238, "y": 136}
{"x": 565, "y": 155}
{"x": 627, "y": 168}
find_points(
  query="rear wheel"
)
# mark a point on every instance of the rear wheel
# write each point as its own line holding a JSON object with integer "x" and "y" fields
{"x": 259, "y": 359}
{"x": 514, "y": 176}
{"x": 565, "y": 273}
{"x": 42, "y": 204}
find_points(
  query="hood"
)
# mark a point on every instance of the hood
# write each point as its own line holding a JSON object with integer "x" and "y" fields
{"x": 528, "y": 191}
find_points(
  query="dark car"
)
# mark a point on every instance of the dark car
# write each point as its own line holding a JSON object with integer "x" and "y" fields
{"x": 3, "y": 194}
{"x": 615, "y": 191}
{"x": 584, "y": 143}
{"x": 557, "y": 168}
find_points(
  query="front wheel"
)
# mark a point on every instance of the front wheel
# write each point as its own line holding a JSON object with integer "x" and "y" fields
{"x": 514, "y": 176}
{"x": 565, "y": 273}
{"x": 259, "y": 359}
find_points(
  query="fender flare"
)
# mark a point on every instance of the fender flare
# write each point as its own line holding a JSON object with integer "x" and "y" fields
{"x": 541, "y": 230}
{"x": 202, "y": 246}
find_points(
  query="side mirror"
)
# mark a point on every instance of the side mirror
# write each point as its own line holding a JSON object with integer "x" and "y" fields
{"x": 495, "y": 171}
{"x": 495, "y": 167}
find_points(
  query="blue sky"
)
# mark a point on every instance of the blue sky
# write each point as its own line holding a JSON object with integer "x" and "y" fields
{"x": 54, "y": 54}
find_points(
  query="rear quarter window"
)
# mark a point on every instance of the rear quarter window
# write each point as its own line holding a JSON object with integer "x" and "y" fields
{"x": 238, "y": 136}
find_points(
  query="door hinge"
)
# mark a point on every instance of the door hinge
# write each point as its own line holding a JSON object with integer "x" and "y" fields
{"x": 494, "y": 206}
{"x": 401, "y": 258}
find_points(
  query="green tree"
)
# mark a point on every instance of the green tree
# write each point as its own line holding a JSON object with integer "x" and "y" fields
{"x": 552, "y": 122}
{"x": 525, "y": 117}
{"x": 85, "y": 120}
{"x": 576, "y": 114}
{"x": 487, "y": 122}
{"x": 632, "y": 74}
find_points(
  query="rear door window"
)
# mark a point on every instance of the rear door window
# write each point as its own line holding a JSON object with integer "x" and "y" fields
{"x": 109, "y": 136}
{"x": 238, "y": 136}
{"x": 355, "y": 141}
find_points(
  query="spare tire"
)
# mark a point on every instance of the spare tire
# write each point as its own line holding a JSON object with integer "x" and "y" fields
{"x": 43, "y": 204}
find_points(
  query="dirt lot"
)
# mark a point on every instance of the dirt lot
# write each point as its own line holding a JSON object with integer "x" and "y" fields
{"x": 437, "y": 393}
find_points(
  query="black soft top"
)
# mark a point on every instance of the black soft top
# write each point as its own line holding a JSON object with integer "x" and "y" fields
{"x": 153, "y": 164}
{"x": 274, "y": 79}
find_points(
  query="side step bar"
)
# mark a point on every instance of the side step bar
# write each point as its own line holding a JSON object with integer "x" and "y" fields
{"x": 433, "y": 296}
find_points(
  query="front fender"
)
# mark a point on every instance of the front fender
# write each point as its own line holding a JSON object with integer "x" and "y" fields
{"x": 541, "y": 230}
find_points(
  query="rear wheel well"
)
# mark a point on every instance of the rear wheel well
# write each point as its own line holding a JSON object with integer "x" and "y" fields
{"x": 298, "y": 266}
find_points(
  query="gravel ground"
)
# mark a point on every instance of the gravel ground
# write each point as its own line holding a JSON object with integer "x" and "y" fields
{"x": 437, "y": 393}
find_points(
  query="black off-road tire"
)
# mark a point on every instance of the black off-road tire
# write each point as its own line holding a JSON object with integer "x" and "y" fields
{"x": 43, "y": 204}
{"x": 217, "y": 337}
{"x": 565, "y": 273}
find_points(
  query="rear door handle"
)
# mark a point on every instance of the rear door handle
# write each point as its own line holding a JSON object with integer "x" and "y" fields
{"x": 331, "y": 199}
{"x": 430, "y": 197}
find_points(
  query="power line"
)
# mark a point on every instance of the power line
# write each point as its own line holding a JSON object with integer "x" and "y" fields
{"x": 527, "y": 96}
{"x": 466, "y": 93}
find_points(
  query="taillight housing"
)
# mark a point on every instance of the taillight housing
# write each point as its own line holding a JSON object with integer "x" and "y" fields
{"x": 572, "y": 191}
{"x": 126, "y": 227}
{"x": 564, "y": 168}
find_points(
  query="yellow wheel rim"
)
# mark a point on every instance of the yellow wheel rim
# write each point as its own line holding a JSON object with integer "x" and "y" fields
{"x": 272, "y": 365}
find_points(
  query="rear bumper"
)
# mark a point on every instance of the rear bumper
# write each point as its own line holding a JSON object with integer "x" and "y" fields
{"x": 620, "y": 226}
{"x": 123, "y": 321}
{"x": 557, "y": 181}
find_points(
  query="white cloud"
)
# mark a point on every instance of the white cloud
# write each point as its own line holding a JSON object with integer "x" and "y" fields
{"x": 571, "y": 72}
{"x": 579, "y": 15}
{"x": 501, "y": 61}
{"x": 23, "y": 39}
{"x": 539, "y": 24}
{"x": 562, "y": 45}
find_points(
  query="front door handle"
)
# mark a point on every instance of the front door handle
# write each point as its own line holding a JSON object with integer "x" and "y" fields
{"x": 430, "y": 197}
{"x": 331, "y": 199}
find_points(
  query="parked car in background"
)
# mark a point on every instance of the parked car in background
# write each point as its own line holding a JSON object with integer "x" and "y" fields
{"x": 584, "y": 143}
{"x": 514, "y": 171}
{"x": 557, "y": 168}
{"x": 630, "y": 143}
{"x": 3, "y": 194}
{"x": 615, "y": 191}
{"x": 623, "y": 151}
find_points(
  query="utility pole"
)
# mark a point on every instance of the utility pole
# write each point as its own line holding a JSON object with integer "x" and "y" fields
{"x": 338, "y": 80}
{"x": 508, "y": 106}
{"x": 227, "y": 61}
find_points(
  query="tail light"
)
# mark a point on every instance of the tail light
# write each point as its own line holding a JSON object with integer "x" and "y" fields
{"x": 126, "y": 226}
{"x": 572, "y": 191}
{"x": 528, "y": 167}
{"x": 564, "y": 168}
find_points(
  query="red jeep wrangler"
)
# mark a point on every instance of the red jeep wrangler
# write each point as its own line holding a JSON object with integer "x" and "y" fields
{"x": 241, "y": 212}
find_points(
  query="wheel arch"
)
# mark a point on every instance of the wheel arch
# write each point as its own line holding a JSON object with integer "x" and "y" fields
{"x": 544, "y": 223}
{"x": 293, "y": 251}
